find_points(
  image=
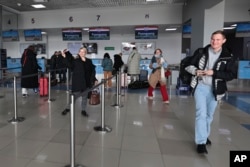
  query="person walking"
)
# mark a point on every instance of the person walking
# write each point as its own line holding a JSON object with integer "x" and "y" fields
{"x": 29, "y": 67}
{"x": 159, "y": 65}
{"x": 134, "y": 64}
{"x": 107, "y": 65}
{"x": 211, "y": 67}
{"x": 83, "y": 77}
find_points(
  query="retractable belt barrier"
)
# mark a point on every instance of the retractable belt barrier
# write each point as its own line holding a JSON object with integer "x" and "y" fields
{"x": 17, "y": 119}
{"x": 102, "y": 128}
{"x": 118, "y": 90}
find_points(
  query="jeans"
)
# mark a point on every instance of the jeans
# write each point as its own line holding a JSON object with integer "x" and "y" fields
{"x": 205, "y": 104}
{"x": 84, "y": 99}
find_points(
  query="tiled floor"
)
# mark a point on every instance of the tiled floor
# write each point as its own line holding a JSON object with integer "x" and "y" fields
{"x": 145, "y": 133}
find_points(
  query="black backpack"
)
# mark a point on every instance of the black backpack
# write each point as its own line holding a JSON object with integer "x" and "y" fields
{"x": 185, "y": 76}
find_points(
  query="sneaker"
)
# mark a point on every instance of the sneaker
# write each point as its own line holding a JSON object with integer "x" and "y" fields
{"x": 201, "y": 149}
{"x": 25, "y": 95}
{"x": 65, "y": 111}
{"x": 208, "y": 142}
{"x": 166, "y": 102}
{"x": 35, "y": 90}
{"x": 84, "y": 113}
{"x": 150, "y": 97}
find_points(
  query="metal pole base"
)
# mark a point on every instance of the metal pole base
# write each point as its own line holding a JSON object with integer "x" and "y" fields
{"x": 103, "y": 129}
{"x": 78, "y": 165}
{"x": 117, "y": 105}
{"x": 16, "y": 120}
{"x": 50, "y": 100}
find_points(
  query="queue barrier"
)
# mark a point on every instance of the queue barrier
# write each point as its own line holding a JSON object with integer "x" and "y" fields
{"x": 102, "y": 128}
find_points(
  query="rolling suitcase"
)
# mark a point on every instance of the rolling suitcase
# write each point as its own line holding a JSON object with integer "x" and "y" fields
{"x": 43, "y": 86}
{"x": 143, "y": 75}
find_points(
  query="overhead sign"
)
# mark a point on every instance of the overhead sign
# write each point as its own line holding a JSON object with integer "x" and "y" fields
{"x": 146, "y": 32}
{"x": 244, "y": 70}
{"x": 99, "y": 33}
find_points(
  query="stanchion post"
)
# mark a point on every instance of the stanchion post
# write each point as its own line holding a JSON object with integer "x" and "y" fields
{"x": 103, "y": 128}
{"x": 118, "y": 87}
{"x": 169, "y": 83}
{"x": 49, "y": 87}
{"x": 67, "y": 80}
{"x": 124, "y": 82}
{"x": 72, "y": 134}
{"x": 15, "y": 119}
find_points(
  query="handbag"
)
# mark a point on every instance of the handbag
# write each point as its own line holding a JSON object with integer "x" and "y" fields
{"x": 167, "y": 73}
{"x": 94, "y": 97}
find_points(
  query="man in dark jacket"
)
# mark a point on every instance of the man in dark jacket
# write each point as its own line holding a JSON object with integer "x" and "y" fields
{"x": 211, "y": 69}
{"x": 83, "y": 76}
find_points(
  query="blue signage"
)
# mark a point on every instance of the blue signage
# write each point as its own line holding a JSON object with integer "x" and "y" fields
{"x": 244, "y": 70}
{"x": 144, "y": 65}
{"x": 98, "y": 66}
{"x": 14, "y": 64}
{"x": 146, "y": 32}
{"x": 72, "y": 34}
{"x": 99, "y": 34}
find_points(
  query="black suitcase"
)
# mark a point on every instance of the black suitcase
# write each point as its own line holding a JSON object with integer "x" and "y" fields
{"x": 138, "y": 85}
{"x": 143, "y": 75}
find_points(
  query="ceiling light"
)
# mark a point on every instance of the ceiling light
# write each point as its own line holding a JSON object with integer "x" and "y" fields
{"x": 38, "y": 6}
{"x": 19, "y": 4}
{"x": 86, "y": 29}
{"x": 228, "y": 28}
{"x": 152, "y": 0}
{"x": 234, "y": 25}
{"x": 40, "y": 1}
{"x": 170, "y": 29}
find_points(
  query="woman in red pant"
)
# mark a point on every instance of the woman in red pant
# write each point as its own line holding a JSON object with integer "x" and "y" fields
{"x": 159, "y": 65}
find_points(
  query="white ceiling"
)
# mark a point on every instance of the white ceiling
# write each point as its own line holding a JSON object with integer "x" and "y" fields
{"x": 25, "y": 5}
{"x": 19, "y": 6}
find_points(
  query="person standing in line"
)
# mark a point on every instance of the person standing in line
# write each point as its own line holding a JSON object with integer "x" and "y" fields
{"x": 60, "y": 65}
{"x": 212, "y": 68}
{"x": 118, "y": 63}
{"x": 83, "y": 77}
{"x": 159, "y": 65}
{"x": 107, "y": 65}
{"x": 29, "y": 67}
{"x": 134, "y": 64}
{"x": 53, "y": 65}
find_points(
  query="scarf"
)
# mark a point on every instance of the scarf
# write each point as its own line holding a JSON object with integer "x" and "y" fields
{"x": 163, "y": 78}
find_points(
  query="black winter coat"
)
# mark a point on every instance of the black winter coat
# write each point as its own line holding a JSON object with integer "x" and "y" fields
{"x": 225, "y": 69}
{"x": 83, "y": 73}
{"x": 29, "y": 67}
{"x": 117, "y": 62}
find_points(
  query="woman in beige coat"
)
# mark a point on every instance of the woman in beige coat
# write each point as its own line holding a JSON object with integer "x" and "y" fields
{"x": 158, "y": 64}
